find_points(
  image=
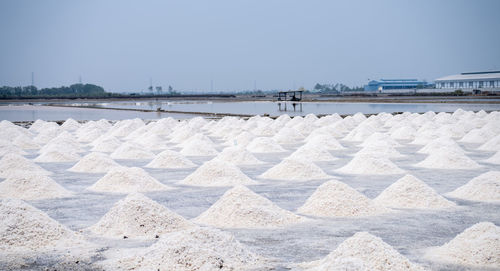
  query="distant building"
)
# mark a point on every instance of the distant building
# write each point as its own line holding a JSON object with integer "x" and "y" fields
{"x": 469, "y": 81}
{"x": 395, "y": 84}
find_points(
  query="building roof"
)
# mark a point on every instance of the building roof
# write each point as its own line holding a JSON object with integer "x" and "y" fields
{"x": 472, "y": 76}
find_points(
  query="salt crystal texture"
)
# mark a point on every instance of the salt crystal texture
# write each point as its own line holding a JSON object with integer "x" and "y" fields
{"x": 137, "y": 216}
{"x": 337, "y": 199}
{"x": 170, "y": 159}
{"x": 264, "y": 145}
{"x": 25, "y": 228}
{"x": 448, "y": 159}
{"x": 495, "y": 159}
{"x": 294, "y": 170}
{"x": 240, "y": 207}
{"x": 106, "y": 144}
{"x": 12, "y": 165}
{"x": 370, "y": 164}
{"x": 309, "y": 152}
{"x": 476, "y": 246}
{"x": 198, "y": 147}
{"x": 127, "y": 180}
{"x": 57, "y": 156}
{"x": 193, "y": 249}
{"x": 94, "y": 162}
{"x": 32, "y": 187}
{"x": 371, "y": 251}
{"x": 491, "y": 145}
{"x": 325, "y": 141}
{"x": 217, "y": 173}
{"x": 485, "y": 187}
{"x": 410, "y": 192}
{"x": 132, "y": 151}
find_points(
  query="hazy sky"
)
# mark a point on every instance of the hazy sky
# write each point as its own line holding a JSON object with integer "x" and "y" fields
{"x": 120, "y": 44}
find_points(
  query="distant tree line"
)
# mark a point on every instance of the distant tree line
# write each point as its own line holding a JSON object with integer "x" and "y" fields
{"x": 335, "y": 88}
{"x": 73, "y": 91}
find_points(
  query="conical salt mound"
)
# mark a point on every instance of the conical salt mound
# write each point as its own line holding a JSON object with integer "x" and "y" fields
{"x": 264, "y": 145}
{"x": 217, "y": 173}
{"x": 410, "y": 192}
{"x": 94, "y": 162}
{"x": 495, "y": 159}
{"x": 57, "y": 156}
{"x": 107, "y": 144}
{"x": 132, "y": 151}
{"x": 491, "y": 145}
{"x": 25, "y": 228}
{"x": 32, "y": 187}
{"x": 198, "y": 148}
{"x": 335, "y": 198}
{"x": 71, "y": 125}
{"x": 310, "y": 152}
{"x": 12, "y": 165}
{"x": 127, "y": 180}
{"x": 477, "y": 246}
{"x": 240, "y": 207}
{"x": 380, "y": 151}
{"x": 238, "y": 156}
{"x": 448, "y": 160}
{"x": 137, "y": 216}
{"x": 441, "y": 145}
{"x": 326, "y": 141}
{"x": 170, "y": 159}
{"x": 485, "y": 187}
{"x": 26, "y": 143}
{"x": 193, "y": 249}
{"x": 370, "y": 164}
{"x": 10, "y": 149}
{"x": 294, "y": 170}
{"x": 366, "y": 251}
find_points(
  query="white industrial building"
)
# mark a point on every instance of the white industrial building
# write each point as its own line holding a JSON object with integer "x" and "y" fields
{"x": 470, "y": 81}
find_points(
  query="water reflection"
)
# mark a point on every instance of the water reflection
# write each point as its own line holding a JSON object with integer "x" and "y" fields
{"x": 297, "y": 107}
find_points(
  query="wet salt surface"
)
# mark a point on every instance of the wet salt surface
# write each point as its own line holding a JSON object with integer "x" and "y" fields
{"x": 408, "y": 231}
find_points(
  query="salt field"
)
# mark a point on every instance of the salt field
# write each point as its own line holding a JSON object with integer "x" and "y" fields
{"x": 410, "y": 191}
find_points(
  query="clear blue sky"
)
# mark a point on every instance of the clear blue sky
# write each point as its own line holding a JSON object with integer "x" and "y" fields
{"x": 121, "y": 44}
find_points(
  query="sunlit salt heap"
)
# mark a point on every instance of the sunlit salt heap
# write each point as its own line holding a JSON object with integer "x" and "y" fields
{"x": 324, "y": 141}
{"x": 337, "y": 199}
{"x": 217, "y": 173}
{"x": 238, "y": 156}
{"x": 193, "y": 249}
{"x": 127, "y": 180}
{"x": 291, "y": 169}
{"x": 370, "y": 164}
{"x": 491, "y": 145}
{"x": 485, "y": 187}
{"x": 288, "y": 135}
{"x": 132, "y": 151}
{"x": 151, "y": 142}
{"x": 23, "y": 227}
{"x": 478, "y": 136}
{"x": 380, "y": 139}
{"x": 495, "y": 159}
{"x": 309, "y": 152}
{"x": 448, "y": 159}
{"x": 360, "y": 133}
{"x": 198, "y": 147}
{"x": 137, "y": 216}
{"x": 32, "y": 187}
{"x": 477, "y": 246}
{"x": 25, "y": 142}
{"x": 366, "y": 251}
{"x": 94, "y": 162}
{"x": 410, "y": 192}
{"x": 10, "y": 149}
{"x": 170, "y": 159}
{"x": 240, "y": 207}
{"x": 106, "y": 144}
{"x": 404, "y": 133}
{"x": 57, "y": 156}
{"x": 442, "y": 144}
{"x": 12, "y": 165}
{"x": 264, "y": 145}
{"x": 380, "y": 149}
{"x": 71, "y": 125}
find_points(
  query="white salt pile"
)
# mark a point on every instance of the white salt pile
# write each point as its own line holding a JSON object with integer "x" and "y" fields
{"x": 32, "y": 187}
{"x": 495, "y": 159}
{"x": 442, "y": 144}
{"x": 130, "y": 150}
{"x": 57, "y": 156}
{"x": 137, "y": 216}
{"x": 11, "y": 149}
{"x": 71, "y": 125}
{"x": 106, "y": 144}
{"x": 364, "y": 250}
{"x": 198, "y": 147}
{"x": 370, "y": 164}
{"x": 242, "y": 139}
{"x": 240, "y": 207}
{"x": 404, "y": 133}
{"x": 478, "y": 136}
{"x": 294, "y": 170}
{"x": 264, "y": 145}
{"x": 491, "y": 145}
{"x": 12, "y": 165}
{"x": 477, "y": 246}
{"x": 151, "y": 142}
{"x": 288, "y": 135}
{"x": 310, "y": 152}
{"x": 380, "y": 150}
{"x": 379, "y": 139}
{"x": 238, "y": 156}
{"x": 410, "y": 192}
{"x": 23, "y": 227}
{"x": 193, "y": 249}
{"x": 360, "y": 133}
{"x": 448, "y": 160}
{"x": 25, "y": 142}
{"x": 127, "y": 180}
{"x": 485, "y": 187}
{"x": 335, "y": 198}
{"x": 326, "y": 141}
{"x": 196, "y": 139}
{"x": 170, "y": 159}
{"x": 94, "y": 162}
{"x": 217, "y": 173}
